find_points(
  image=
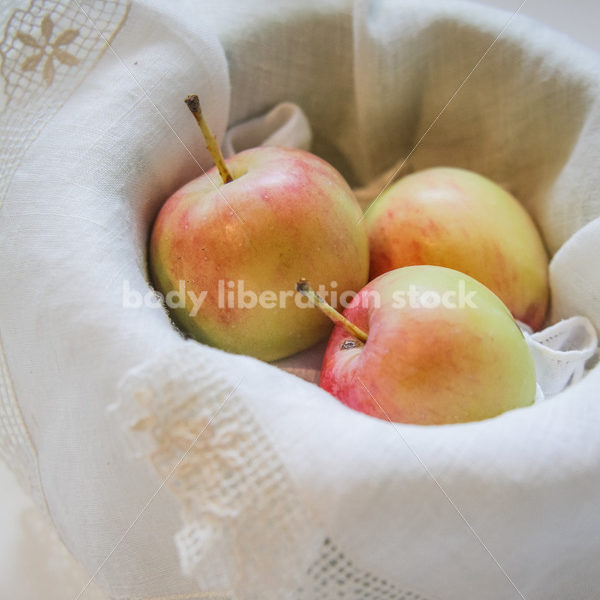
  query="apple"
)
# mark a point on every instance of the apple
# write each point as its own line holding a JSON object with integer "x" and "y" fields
{"x": 427, "y": 345}
{"x": 458, "y": 219}
{"x": 229, "y": 249}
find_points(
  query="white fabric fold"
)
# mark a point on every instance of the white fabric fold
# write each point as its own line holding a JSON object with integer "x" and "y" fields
{"x": 561, "y": 351}
{"x": 284, "y": 125}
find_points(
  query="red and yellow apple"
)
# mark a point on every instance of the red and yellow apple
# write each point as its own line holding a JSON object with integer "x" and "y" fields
{"x": 428, "y": 345}
{"x": 458, "y": 219}
{"x": 240, "y": 245}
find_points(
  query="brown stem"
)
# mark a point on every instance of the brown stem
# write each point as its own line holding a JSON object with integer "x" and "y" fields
{"x": 303, "y": 287}
{"x": 212, "y": 146}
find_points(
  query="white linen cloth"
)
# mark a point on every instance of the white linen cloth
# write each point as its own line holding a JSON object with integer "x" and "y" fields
{"x": 250, "y": 482}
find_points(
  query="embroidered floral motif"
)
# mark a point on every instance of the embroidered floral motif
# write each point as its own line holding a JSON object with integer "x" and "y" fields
{"x": 49, "y": 50}
{"x": 45, "y": 52}
{"x": 241, "y": 518}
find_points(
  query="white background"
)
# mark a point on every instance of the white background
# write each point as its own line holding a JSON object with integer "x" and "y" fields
{"x": 577, "y": 18}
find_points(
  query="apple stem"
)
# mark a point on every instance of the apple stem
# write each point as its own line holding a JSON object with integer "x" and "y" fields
{"x": 304, "y": 288}
{"x": 212, "y": 146}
